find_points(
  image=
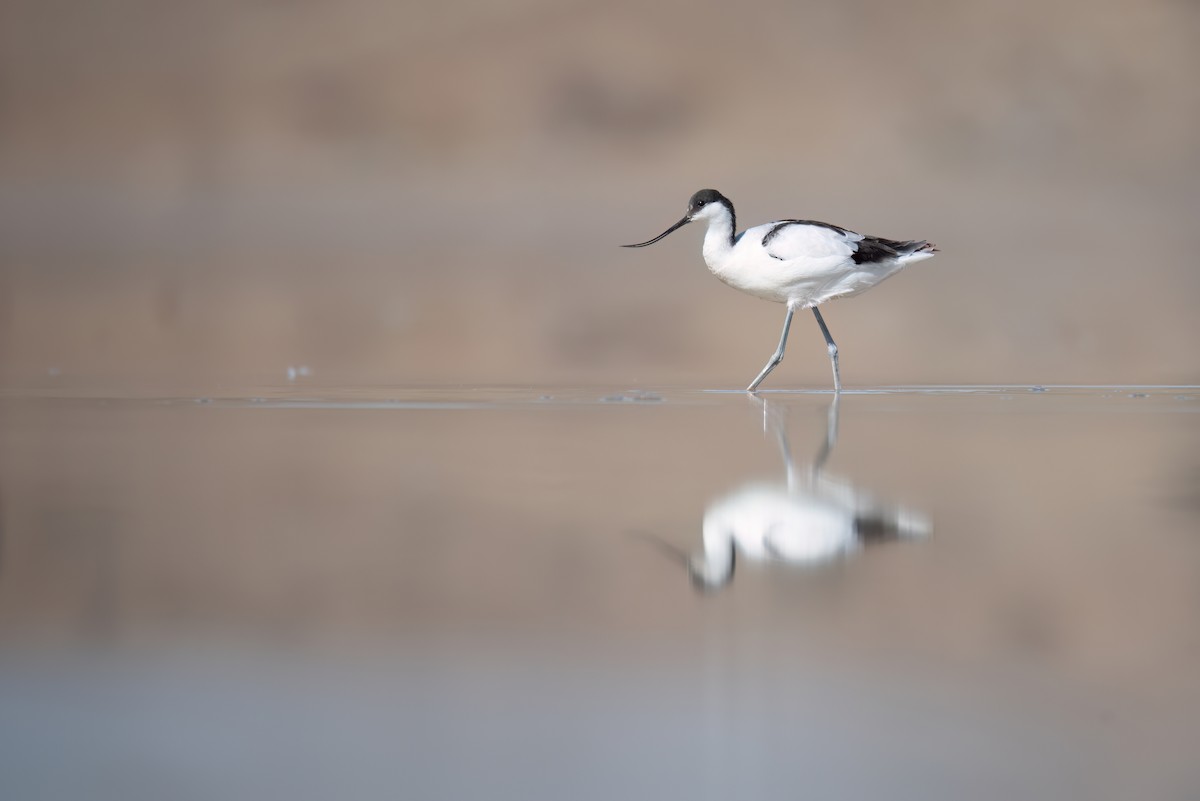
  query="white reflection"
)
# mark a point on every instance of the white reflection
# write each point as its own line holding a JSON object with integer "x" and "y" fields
{"x": 811, "y": 519}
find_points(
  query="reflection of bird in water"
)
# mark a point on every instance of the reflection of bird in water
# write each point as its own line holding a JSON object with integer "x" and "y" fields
{"x": 805, "y": 522}
{"x": 802, "y": 263}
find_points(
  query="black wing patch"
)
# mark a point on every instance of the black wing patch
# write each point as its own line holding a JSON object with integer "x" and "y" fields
{"x": 871, "y": 530}
{"x": 875, "y": 249}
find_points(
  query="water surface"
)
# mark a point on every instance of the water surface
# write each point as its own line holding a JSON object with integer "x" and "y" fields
{"x": 445, "y": 593}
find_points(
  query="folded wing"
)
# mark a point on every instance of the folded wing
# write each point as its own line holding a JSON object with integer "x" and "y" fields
{"x": 808, "y": 239}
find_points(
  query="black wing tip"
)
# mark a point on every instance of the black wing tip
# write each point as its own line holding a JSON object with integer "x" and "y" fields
{"x": 911, "y": 246}
{"x": 876, "y": 249}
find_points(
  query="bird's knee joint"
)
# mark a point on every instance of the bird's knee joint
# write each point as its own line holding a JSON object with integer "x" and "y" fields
{"x": 832, "y": 351}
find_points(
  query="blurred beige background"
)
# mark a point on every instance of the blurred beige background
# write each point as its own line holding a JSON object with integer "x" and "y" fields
{"x": 410, "y": 193}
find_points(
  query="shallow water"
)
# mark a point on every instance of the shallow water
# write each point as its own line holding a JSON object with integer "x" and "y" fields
{"x": 448, "y": 593}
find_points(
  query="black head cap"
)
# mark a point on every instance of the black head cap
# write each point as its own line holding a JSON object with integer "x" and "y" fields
{"x": 704, "y": 197}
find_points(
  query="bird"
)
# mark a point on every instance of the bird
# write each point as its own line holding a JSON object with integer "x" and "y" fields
{"x": 804, "y": 526}
{"x": 808, "y": 521}
{"x": 801, "y": 263}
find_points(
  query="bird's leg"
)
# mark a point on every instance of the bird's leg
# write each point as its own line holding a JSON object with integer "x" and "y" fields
{"x": 831, "y": 435}
{"x": 778, "y": 356}
{"x": 832, "y": 346}
{"x": 785, "y": 450}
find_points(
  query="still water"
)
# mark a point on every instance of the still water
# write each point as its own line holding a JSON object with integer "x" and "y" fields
{"x": 978, "y": 592}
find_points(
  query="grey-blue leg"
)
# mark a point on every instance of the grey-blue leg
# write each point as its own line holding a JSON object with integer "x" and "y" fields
{"x": 778, "y": 357}
{"x": 829, "y": 343}
{"x": 831, "y": 435}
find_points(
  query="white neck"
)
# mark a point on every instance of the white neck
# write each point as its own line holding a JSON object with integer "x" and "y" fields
{"x": 713, "y": 566}
{"x": 718, "y": 240}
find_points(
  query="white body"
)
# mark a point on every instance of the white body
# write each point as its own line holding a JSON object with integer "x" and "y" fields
{"x": 803, "y": 265}
{"x": 767, "y": 522}
{"x": 809, "y": 526}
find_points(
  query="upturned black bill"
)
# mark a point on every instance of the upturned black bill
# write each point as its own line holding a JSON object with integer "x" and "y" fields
{"x": 674, "y": 227}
